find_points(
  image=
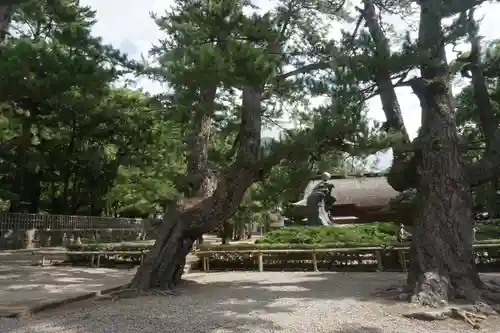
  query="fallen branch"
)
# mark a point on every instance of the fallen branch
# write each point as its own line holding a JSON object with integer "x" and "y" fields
{"x": 461, "y": 313}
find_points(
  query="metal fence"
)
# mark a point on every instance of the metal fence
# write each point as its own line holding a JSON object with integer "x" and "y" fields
{"x": 20, "y": 221}
{"x": 54, "y": 230}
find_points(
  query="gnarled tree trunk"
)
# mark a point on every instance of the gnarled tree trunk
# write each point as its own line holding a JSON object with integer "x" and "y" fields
{"x": 443, "y": 258}
{"x": 185, "y": 222}
{"x": 201, "y": 180}
{"x": 442, "y": 263}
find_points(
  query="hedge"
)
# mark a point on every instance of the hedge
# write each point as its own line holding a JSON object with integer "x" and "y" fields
{"x": 373, "y": 233}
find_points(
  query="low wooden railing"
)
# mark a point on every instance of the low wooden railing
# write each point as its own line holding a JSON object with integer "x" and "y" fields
{"x": 95, "y": 255}
{"x": 204, "y": 255}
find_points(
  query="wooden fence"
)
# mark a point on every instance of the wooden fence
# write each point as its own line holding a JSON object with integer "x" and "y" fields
{"x": 372, "y": 258}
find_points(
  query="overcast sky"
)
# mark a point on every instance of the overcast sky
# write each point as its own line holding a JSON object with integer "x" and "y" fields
{"x": 127, "y": 25}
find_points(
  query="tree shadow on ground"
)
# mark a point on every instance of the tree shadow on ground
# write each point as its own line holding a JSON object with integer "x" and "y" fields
{"x": 241, "y": 302}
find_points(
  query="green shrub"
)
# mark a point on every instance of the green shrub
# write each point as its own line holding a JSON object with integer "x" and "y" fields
{"x": 373, "y": 233}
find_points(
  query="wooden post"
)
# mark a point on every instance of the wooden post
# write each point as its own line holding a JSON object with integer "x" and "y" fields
{"x": 142, "y": 256}
{"x": 92, "y": 261}
{"x": 98, "y": 263}
{"x": 315, "y": 262}
{"x": 205, "y": 263}
{"x": 261, "y": 262}
{"x": 402, "y": 260}
{"x": 380, "y": 266}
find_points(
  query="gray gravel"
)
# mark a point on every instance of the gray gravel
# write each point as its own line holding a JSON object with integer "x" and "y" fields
{"x": 248, "y": 302}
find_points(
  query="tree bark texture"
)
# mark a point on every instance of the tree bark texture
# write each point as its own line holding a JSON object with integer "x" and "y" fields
{"x": 442, "y": 262}
{"x": 164, "y": 268}
{"x": 441, "y": 259}
{"x": 185, "y": 222}
{"x": 201, "y": 180}
{"x": 442, "y": 265}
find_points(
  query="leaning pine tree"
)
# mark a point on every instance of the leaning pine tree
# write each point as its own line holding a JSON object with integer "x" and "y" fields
{"x": 442, "y": 259}
{"x": 211, "y": 52}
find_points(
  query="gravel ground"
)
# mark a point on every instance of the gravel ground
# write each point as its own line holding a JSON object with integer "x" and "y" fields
{"x": 248, "y": 302}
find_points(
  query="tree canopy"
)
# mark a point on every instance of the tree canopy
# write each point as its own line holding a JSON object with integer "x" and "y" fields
{"x": 75, "y": 141}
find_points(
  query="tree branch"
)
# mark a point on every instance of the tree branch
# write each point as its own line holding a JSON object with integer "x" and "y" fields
{"x": 488, "y": 167}
{"x": 235, "y": 180}
{"x": 402, "y": 171}
{"x": 488, "y": 122}
{"x": 199, "y": 177}
{"x": 453, "y": 7}
{"x": 388, "y": 97}
{"x": 307, "y": 69}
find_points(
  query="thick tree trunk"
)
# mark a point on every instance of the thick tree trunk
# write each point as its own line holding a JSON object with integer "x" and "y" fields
{"x": 226, "y": 232}
{"x": 442, "y": 262}
{"x": 159, "y": 269}
{"x": 162, "y": 268}
{"x": 442, "y": 259}
{"x": 201, "y": 181}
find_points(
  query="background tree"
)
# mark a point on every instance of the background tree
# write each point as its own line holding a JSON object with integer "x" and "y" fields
{"x": 442, "y": 263}
{"x": 73, "y": 143}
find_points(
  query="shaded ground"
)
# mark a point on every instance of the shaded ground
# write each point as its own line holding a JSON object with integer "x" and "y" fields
{"x": 249, "y": 302}
{"x": 24, "y": 285}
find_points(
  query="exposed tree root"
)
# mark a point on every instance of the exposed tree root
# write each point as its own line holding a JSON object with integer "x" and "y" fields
{"x": 400, "y": 293}
{"x": 486, "y": 303}
{"x": 133, "y": 293}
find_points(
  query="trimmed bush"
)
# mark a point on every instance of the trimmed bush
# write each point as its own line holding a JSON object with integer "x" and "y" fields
{"x": 373, "y": 233}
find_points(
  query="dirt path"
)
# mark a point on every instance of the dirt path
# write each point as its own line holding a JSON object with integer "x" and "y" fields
{"x": 249, "y": 302}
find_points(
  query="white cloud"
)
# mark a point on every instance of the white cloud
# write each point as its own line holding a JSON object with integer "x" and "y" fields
{"x": 127, "y": 25}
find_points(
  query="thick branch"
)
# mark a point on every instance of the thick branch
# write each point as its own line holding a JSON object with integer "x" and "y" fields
{"x": 403, "y": 169}
{"x": 488, "y": 167}
{"x": 453, "y": 7}
{"x": 242, "y": 173}
{"x": 390, "y": 103}
{"x": 307, "y": 69}
{"x": 199, "y": 177}
{"x": 488, "y": 121}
